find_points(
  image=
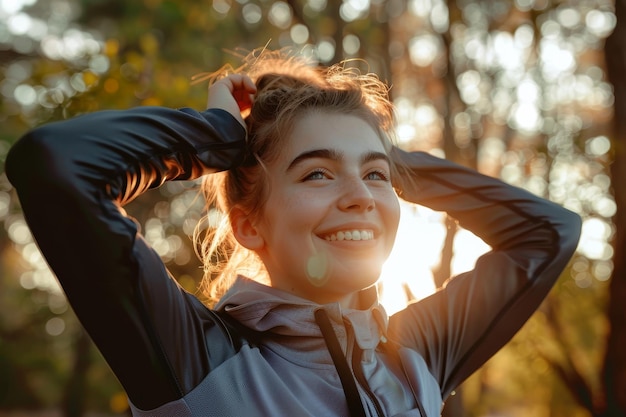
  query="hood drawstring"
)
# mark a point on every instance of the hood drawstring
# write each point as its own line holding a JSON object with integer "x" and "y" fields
{"x": 345, "y": 374}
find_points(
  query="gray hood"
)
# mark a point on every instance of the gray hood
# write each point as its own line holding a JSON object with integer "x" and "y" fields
{"x": 289, "y": 320}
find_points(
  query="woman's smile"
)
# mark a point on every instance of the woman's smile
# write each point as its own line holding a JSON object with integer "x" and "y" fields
{"x": 353, "y": 235}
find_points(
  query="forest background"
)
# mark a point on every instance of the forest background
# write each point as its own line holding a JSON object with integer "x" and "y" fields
{"x": 531, "y": 91}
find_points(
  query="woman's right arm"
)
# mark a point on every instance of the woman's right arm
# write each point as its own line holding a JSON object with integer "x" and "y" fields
{"x": 72, "y": 178}
{"x": 458, "y": 328}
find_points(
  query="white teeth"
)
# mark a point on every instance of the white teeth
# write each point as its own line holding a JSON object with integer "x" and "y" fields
{"x": 351, "y": 235}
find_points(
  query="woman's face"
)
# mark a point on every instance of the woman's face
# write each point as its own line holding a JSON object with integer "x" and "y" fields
{"x": 331, "y": 216}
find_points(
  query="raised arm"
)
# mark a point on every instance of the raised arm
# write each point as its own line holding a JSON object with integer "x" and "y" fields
{"x": 71, "y": 178}
{"x": 461, "y": 326}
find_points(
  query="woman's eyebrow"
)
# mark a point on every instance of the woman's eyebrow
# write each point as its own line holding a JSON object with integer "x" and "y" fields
{"x": 375, "y": 156}
{"x": 334, "y": 155}
{"x": 315, "y": 153}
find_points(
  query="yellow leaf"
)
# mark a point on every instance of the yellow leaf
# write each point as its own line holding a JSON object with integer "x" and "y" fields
{"x": 181, "y": 86}
{"x": 111, "y": 85}
{"x": 90, "y": 78}
{"x": 149, "y": 44}
{"x": 152, "y": 101}
{"x": 119, "y": 402}
{"x": 111, "y": 47}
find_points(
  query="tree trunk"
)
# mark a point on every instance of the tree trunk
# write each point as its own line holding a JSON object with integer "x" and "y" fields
{"x": 614, "y": 373}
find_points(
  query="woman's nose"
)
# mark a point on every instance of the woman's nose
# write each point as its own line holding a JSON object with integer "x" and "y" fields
{"x": 356, "y": 196}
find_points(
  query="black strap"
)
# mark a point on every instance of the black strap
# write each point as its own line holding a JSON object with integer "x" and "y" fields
{"x": 355, "y": 406}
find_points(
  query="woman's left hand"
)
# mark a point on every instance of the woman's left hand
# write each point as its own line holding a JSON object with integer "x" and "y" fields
{"x": 233, "y": 93}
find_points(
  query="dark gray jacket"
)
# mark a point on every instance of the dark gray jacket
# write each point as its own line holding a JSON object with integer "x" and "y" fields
{"x": 263, "y": 352}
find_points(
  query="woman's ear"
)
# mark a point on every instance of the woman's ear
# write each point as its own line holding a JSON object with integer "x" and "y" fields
{"x": 245, "y": 230}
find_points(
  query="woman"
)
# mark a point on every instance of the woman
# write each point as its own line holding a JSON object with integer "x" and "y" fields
{"x": 308, "y": 189}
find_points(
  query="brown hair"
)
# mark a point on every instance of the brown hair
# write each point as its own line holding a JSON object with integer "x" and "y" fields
{"x": 288, "y": 87}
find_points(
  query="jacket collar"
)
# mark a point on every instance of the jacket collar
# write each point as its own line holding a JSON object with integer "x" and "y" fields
{"x": 291, "y": 318}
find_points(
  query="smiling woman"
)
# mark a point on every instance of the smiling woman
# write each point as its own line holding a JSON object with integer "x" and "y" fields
{"x": 309, "y": 192}
{"x": 332, "y": 181}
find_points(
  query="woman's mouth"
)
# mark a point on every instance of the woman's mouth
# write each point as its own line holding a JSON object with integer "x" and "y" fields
{"x": 350, "y": 235}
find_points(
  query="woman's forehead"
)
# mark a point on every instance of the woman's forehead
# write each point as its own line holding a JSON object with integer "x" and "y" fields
{"x": 346, "y": 133}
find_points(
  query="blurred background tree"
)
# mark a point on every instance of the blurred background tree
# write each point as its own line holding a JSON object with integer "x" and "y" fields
{"x": 517, "y": 89}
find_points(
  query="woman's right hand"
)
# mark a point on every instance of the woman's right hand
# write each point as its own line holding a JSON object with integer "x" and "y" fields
{"x": 233, "y": 93}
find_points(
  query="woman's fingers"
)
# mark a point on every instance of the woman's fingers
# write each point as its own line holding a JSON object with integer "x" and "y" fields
{"x": 241, "y": 82}
{"x": 243, "y": 92}
{"x": 233, "y": 93}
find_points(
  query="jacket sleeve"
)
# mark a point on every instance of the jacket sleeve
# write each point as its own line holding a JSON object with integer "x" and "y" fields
{"x": 461, "y": 326}
{"x": 72, "y": 178}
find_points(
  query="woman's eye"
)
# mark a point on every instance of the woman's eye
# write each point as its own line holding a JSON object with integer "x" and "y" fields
{"x": 377, "y": 176}
{"x": 318, "y": 174}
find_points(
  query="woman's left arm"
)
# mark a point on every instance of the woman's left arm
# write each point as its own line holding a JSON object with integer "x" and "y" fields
{"x": 461, "y": 326}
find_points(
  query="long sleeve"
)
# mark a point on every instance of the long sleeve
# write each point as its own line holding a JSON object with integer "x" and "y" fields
{"x": 72, "y": 177}
{"x": 461, "y": 326}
